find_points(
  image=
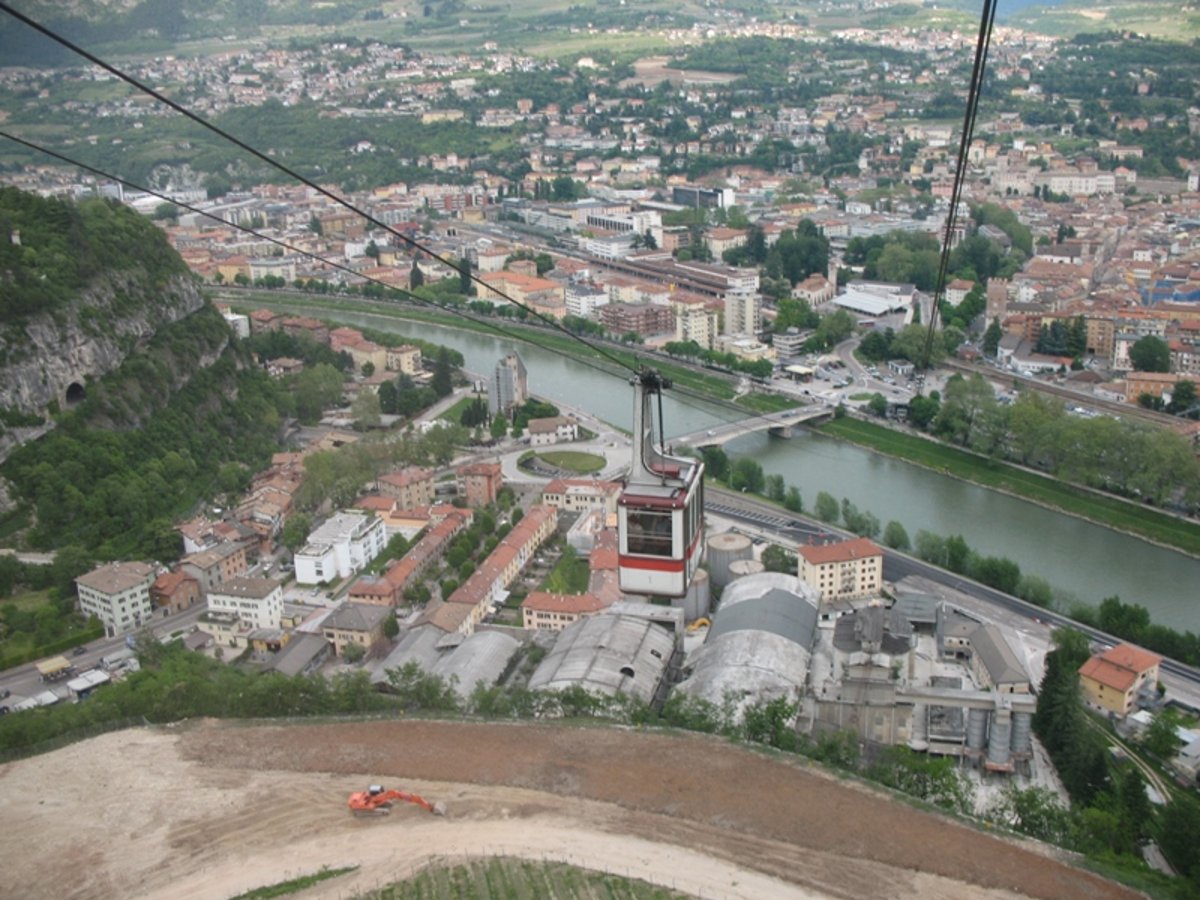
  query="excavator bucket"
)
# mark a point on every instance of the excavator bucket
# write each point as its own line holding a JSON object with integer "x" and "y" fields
{"x": 439, "y": 808}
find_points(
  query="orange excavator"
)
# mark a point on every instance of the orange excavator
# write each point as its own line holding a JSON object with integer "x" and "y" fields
{"x": 375, "y": 801}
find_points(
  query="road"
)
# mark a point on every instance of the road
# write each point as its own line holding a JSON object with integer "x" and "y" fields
{"x": 1181, "y": 680}
{"x": 24, "y": 681}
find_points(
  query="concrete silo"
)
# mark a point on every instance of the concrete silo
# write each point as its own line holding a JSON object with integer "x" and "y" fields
{"x": 723, "y": 549}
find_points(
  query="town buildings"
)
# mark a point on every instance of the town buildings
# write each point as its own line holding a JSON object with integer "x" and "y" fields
{"x": 118, "y": 594}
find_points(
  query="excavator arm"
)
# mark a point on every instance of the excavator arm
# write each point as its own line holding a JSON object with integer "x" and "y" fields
{"x": 376, "y": 800}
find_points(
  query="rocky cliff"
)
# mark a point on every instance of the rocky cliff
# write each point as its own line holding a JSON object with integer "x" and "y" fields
{"x": 48, "y": 363}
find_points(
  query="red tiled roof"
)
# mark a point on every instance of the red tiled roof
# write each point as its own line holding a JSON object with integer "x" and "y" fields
{"x": 566, "y": 603}
{"x": 1108, "y": 674}
{"x": 844, "y": 551}
{"x": 1129, "y": 656}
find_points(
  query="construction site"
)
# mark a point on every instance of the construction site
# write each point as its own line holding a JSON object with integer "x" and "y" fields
{"x": 214, "y": 809}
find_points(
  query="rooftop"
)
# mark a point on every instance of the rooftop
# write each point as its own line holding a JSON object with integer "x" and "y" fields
{"x": 843, "y": 551}
{"x": 112, "y": 578}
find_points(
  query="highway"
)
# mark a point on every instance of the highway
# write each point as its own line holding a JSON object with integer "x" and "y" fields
{"x": 799, "y": 529}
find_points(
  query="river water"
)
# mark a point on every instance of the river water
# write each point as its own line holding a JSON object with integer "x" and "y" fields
{"x": 1083, "y": 560}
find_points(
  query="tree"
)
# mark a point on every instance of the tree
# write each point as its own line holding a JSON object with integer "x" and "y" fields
{"x": 1160, "y": 738}
{"x": 991, "y": 338}
{"x": 1150, "y": 354}
{"x": 792, "y": 501}
{"x": 777, "y": 559}
{"x": 315, "y": 390}
{"x": 499, "y": 426}
{"x": 416, "y": 277}
{"x": 353, "y": 653}
{"x": 365, "y": 410}
{"x": 465, "y": 285}
{"x": 442, "y": 381}
{"x": 716, "y": 463}
{"x": 1183, "y": 398}
{"x": 878, "y": 405}
{"x": 895, "y": 536}
{"x": 775, "y": 488}
{"x": 747, "y": 476}
{"x": 827, "y": 508}
{"x": 295, "y": 531}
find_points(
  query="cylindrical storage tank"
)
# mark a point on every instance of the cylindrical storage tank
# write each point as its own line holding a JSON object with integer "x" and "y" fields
{"x": 724, "y": 549}
{"x": 698, "y": 600}
{"x": 976, "y": 729}
{"x": 1022, "y": 740}
{"x": 998, "y": 744}
{"x": 740, "y": 568}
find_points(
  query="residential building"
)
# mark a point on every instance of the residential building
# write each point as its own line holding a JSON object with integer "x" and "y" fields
{"x": 1113, "y": 679}
{"x": 403, "y": 573}
{"x": 509, "y": 386}
{"x": 573, "y": 495}
{"x": 544, "y": 611}
{"x": 743, "y": 312}
{"x": 405, "y": 358}
{"x": 175, "y": 591}
{"x": 410, "y": 487}
{"x": 846, "y": 570}
{"x": 355, "y": 623}
{"x": 341, "y": 546}
{"x": 486, "y": 586}
{"x": 212, "y": 567}
{"x": 480, "y": 483}
{"x": 552, "y": 430}
{"x": 118, "y": 594}
{"x": 256, "y": 602}
{"x": 638, "y": 318}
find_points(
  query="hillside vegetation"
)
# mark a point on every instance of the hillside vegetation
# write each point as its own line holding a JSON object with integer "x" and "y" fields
{"x": 50, "y": 250}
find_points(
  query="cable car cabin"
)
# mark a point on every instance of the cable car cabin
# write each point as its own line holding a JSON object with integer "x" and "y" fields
{"x": 660, "y": 528}
{"x": 661, "y": 510}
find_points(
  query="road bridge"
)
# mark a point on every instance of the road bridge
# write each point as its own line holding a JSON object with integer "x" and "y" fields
{"x": 779, "y": 424}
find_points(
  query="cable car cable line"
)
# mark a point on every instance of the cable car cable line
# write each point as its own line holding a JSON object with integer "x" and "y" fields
{"x": 983, "y": 42}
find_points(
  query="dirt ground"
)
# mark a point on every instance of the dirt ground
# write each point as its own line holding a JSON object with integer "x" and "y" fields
{"x": 212, "y": 809}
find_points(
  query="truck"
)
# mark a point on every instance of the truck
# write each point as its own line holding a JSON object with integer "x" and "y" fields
{"x": 117, "y": 658}
{"x": 55, "y": 668}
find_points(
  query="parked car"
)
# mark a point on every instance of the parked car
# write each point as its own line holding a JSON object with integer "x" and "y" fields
{"x": 80, "y": 650}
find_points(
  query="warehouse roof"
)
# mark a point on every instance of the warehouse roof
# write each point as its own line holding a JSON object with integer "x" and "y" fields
{"x": 608, "y": 654}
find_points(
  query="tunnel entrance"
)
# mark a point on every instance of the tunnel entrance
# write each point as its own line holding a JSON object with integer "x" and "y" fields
{"x": 75, "y": 393}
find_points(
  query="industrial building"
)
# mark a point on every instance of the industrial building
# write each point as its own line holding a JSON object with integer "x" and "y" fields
{"x": 627, "y": 650}
{"x": 462, "y": 661}
{"x": 758, "y": 646}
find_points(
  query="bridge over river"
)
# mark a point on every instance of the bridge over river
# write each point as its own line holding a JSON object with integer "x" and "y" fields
{"x": 779, "y": 424}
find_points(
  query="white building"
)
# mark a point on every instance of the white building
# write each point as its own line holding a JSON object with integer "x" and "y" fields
{"x": 552, "y": 430}
{"x": 257, "y": 602}
{"x": 344, "y": 544}
{"x": 743, "y": 312}
{"x": 583, "y": 300}
{"x": 118, "y": 594}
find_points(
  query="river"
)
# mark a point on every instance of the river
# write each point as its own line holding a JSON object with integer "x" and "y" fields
{"x": 1083, "y": 560}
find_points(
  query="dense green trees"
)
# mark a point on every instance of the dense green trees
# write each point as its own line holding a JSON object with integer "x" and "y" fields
{"x": 1150, "y": 354}
{"x": 62, "y": 247}
{"x": 116, "y": 492}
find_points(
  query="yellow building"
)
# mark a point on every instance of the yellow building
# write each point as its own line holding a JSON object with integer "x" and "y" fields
{"x": 843, "y": 571}
{"x": 1112, "y": 680}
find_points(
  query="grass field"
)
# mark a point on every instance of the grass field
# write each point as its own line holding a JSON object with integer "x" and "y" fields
{"x": 454, "y": 413}
{"x": 293, "y": 885}
{"x": 518, "y": 878}
{"x": 1070, "y": 499}
{"x": 573, "y": 460}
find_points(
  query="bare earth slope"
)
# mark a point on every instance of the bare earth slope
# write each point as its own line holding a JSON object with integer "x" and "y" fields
{"x": 214, "y": 809}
